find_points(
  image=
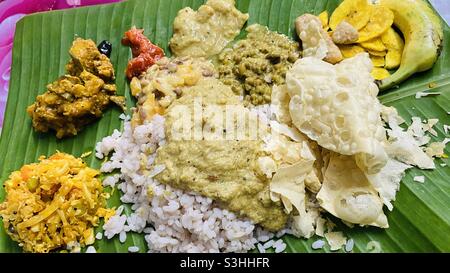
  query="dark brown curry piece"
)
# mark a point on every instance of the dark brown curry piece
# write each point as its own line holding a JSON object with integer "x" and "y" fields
{"x": 79, "y": 97}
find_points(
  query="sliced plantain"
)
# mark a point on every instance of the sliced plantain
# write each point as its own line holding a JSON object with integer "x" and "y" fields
{"x": 379, "y": 73}
{"x": 395, "y": 45}
{"x": 323, "y": 17}
{"x": 349, "y": 51}
{"x": 392, "y": 40}
{"x": 393, "y": 59}
{"x": 381, "y": 20}
{"x": 355, "y": 12}
{"x": 378, "y": 61}
{"x": 377, "y": 53}
{"x": 374, "y": 44}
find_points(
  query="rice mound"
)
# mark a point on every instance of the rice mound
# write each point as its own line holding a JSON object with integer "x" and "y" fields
{"x": 173, "y": 220}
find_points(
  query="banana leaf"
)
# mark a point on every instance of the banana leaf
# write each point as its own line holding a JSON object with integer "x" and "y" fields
{"x": 420, "y": 221}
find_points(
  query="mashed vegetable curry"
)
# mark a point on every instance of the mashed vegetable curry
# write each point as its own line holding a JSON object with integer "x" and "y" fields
{"x": 206, "y": 32}
{"x": 224, "y": 170}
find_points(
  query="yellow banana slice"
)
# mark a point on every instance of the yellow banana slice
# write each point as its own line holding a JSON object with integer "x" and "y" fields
{"x": 395, "y": 45}
{"x": 374, "y": 44}
{"x": 323, "y": 17}
{"x": 393, "y": 59}
{"x": 355, "y": 12}
{"x": 379, "y": 73}
{"x": 349, "y": 51}
{"x": 381, "y": 19}
{"x": 377, "y": 53}
{"x": 392, "y": 40}
{"x": 377, "y": 61}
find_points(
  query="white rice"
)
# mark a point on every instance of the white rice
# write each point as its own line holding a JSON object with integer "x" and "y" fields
{"x": 99, "y": 236}
{"x": 122, "y": 236}
{"x": 419, "y": 178}
{"x": 319, "y": 244}
{"x": 91, "y": 249}
{"x": 73, "y": 247}
{"x": 261, "y": 248}
{"x": 172, "y": 220}
{"x": 268, "y": 244}
{"x": 349, "y": 245}
{"x": 133, "y": 249}
{"x": 279, "y": 246}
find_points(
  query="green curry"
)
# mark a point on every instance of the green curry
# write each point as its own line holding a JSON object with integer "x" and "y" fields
{"x": 257, "y": 63}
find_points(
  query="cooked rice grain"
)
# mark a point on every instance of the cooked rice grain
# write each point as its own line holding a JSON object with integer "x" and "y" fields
{"x": 172, "y": 220}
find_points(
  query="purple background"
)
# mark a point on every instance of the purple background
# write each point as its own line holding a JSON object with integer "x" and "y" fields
{"x": 12, "y": 11}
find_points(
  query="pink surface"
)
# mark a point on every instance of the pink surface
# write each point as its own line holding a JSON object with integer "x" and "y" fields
{"x": 12, "y": 11}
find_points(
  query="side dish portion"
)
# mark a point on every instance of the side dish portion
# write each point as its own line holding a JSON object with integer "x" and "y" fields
{"x": 253, "y": 65}
{"x": 206, "y": 32}
{"x": 223, "y": 170}
{"x": 79, "y": 97}
{"x": 54, "y": 204}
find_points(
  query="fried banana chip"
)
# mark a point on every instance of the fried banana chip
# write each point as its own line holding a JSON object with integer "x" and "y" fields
{"x": 377, "y": 61}
{"x": 379, "y": 73}
{"x": 395, "y": 44}
{"x": 355, "y": 12}
{"x": 374, "y": 44}
{"x": 323, "y": 17}
{"x": 393, "y": 59}
{"x": 349, "y": 51}
{"x": 377, "y": 53}
{"x": 381, "y": 20}
{"x": 392, "y": 40}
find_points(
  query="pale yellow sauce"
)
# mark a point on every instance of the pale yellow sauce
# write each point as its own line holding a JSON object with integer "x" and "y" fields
{"x": 224, "y": 170}
{"x": 206, "y": 32}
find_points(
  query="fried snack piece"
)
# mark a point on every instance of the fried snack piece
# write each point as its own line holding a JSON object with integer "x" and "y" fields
{"x": 392, "y": 40}
{"x": 395, "y": 44}
{"x": 377, "y": 53}
{"x": 374, "y": 44}
{"x": 345, "y": 34}
{"x": 315, "y": 40}
{"x": 355, "y": 12}
{"x": 379, "y": 73}
{"x": 349, "y": 51}
{"x": 393, "y": 59}
{"x": 381, "y": 19}
{"x": 323, "y": 17}
{"x": 377, "y": 61}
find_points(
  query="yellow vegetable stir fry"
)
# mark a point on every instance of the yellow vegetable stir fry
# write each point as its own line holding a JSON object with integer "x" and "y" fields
{"x": 53, "y": 203}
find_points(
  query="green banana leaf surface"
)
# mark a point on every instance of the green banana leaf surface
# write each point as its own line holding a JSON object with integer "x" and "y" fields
{"x": 420, "y": 221}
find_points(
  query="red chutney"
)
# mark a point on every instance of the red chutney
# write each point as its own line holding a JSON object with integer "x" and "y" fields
{"x": 145, "y": 53}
